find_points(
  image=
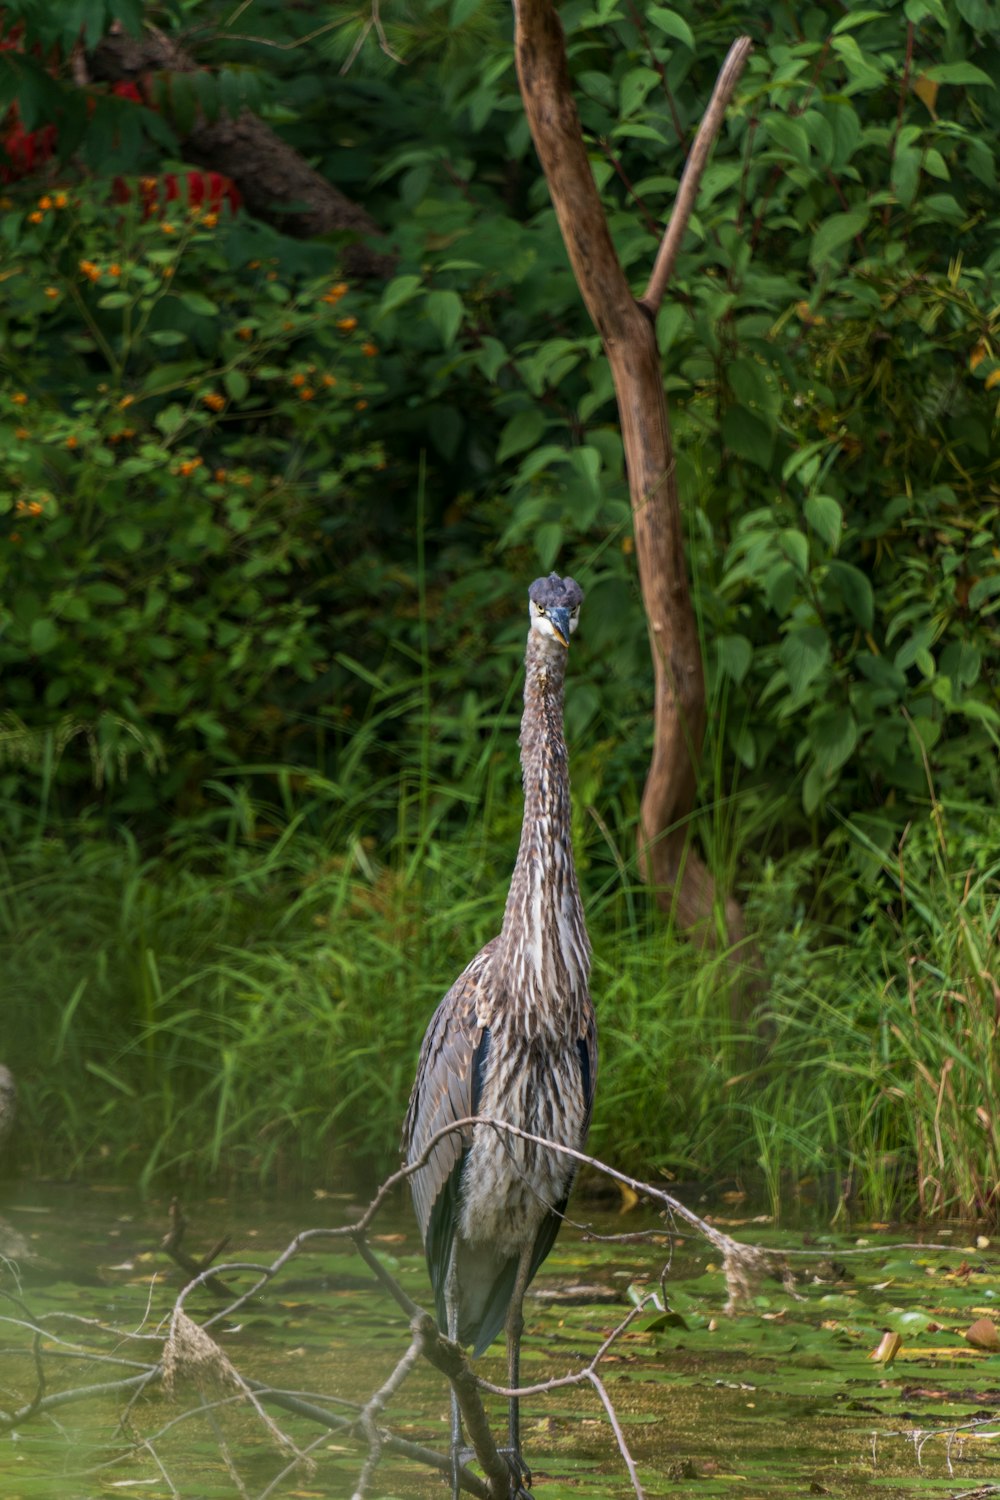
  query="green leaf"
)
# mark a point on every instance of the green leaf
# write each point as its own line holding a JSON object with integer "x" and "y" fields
{"x": 833, "y": 736}
{"x": 756, "y": 387}
{"x": 236, "y": 383}
{"x": 959, "y": 72}
{"x": 462, "y": 10}
{"x": 835, "y": 233}
{"x": 983, "y": 590}
{"x": 796, "y": 548}
{"x": 171, "y": 419}
{"x": 745, "y": 746}
{"x": 444, "y": 309}
{"x": 735, "y": 655}
{"x": 586, "y": 462}
{"x": 671, "y": 24}
{"x": 944, "y": 206}
{"x": 400, "y": 290}
{"x": 814, "y": 788}
{"x": 548, "y": 540}
{"x": 748, "y": 436}
{"x": 522, "y": 431}
{"x": 637, "y": 83}
{"x": 43, "y": 635}
{"x": 804, "y": 654}
{"x": 826, "y": 518}
{"x": 197, "y": 303}
{"x": 906, "y": 176}
{"x": 854, "y": 590}
{"x": 114, "y": 299}
{"x": 789, "y": 135}
{"x": 128, "y": 535}
{"x": 856, "y": 18}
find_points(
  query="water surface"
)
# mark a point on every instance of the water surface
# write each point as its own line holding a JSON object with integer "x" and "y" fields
{"x": 784, "y": 1400}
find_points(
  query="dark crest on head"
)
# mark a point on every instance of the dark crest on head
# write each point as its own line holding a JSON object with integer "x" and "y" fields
{"x": 555, "y": 592}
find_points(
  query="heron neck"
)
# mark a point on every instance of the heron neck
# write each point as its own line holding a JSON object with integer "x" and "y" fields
{"x": 543, "y": 947}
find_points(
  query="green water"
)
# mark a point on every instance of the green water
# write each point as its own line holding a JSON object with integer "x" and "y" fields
{"x": 781, "y": 1401}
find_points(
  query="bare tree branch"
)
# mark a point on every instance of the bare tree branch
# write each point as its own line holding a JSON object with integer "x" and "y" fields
{"x": 626, "y": 326}
{"x": 687, "y": 192}
{"x": 188, "y": 1355}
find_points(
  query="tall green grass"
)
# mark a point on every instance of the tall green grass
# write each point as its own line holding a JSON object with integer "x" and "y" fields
{"x": 250, "y": 1000}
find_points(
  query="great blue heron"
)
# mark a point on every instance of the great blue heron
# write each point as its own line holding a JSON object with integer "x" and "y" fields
{"x": 515, "y": 1039}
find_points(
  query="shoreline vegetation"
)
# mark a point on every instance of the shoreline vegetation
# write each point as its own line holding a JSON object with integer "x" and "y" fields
{"x": 268, "y": 508}
{"x": 249, "y": 1004}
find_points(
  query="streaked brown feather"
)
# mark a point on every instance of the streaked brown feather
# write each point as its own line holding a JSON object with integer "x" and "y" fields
{"x": 442, "y": 1093}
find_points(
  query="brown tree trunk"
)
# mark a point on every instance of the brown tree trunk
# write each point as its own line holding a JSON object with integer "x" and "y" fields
{"x": 277, "y": 184}
{"x": 627, "y": 328}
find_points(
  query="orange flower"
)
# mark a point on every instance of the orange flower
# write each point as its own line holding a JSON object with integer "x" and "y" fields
{"x": 148, "y": 184}
{"x": 21, "y": 508}
{"x": 168, "y": 271}
{"x": 19, "y": 398}
{"x": 272, "y": 275}
{"x": 128, "y": 432}
{"x": 169, "y": 228}
{"x": 22, "y": 433}
{"x": 307, "y": 393}
{"x": 125, "y": 401}
{"x": 52, "y": 291}
{"x": 253, "y": 265}
{"x": 15, "y": 536}
{"x": 369, "y": 350}
{"x": 60, "y": 200}
{"x": 36, "y": 217}
{"x": 90, "y": 270}
{"x": 188, "y": 466}
{"x": 210, "y": 221}
{"x": 72, "y": 442}
{"x": 329, "y": 381}
{"x": 244, "y": 333}
{"x": 360, "y": 405}
{"x": 347, "y": 325}
{"x": 45, "y": 202}
{"x": 219, "y": 476}
{"x": 335, "y": 293}
{"x": 214, "y": 401}
{"x": 114, "y": 269}
{"x": 298, "y": 379}
{"x": 35, "y": 509}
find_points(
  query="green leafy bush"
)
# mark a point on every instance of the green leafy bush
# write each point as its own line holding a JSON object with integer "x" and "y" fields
{"x": 185, "y": 433}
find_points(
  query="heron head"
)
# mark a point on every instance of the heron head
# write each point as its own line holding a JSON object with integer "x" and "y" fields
{"x": 554, "y": 606}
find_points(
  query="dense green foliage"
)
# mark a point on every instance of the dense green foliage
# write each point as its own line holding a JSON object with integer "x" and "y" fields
{"x": 213, "y": 586}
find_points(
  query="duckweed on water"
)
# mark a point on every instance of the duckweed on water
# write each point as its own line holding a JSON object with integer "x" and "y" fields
{"x": 781, "y": 1401}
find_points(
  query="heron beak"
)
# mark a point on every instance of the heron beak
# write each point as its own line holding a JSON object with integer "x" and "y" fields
{"x": 559, "y": 620}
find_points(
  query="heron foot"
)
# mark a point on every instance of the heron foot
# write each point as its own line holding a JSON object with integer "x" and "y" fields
{"x": 520, "y": 1474}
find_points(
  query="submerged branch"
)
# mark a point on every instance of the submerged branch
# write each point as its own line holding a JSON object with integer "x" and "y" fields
{"x": 188, "y": 1356}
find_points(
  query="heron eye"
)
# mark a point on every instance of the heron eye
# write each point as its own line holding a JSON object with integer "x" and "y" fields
{"x": 540, "y": 608}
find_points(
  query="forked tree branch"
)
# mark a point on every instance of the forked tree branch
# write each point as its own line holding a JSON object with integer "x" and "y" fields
{"x": 687, "y": 192}
{"x": 626, "y": 325}
{"x": 189, "y": 1354}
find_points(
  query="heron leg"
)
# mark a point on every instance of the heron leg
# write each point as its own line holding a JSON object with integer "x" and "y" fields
{"x": 520, "y": 1474}
{"x": 458, "y": 1452}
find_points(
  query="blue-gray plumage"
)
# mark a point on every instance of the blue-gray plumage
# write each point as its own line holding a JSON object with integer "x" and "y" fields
{"x": 514, "y": 1039}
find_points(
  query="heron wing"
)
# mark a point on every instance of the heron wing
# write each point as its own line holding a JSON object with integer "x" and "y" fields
{"x": 495, "y": 1312}
{"x": 449, "y": 1077}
